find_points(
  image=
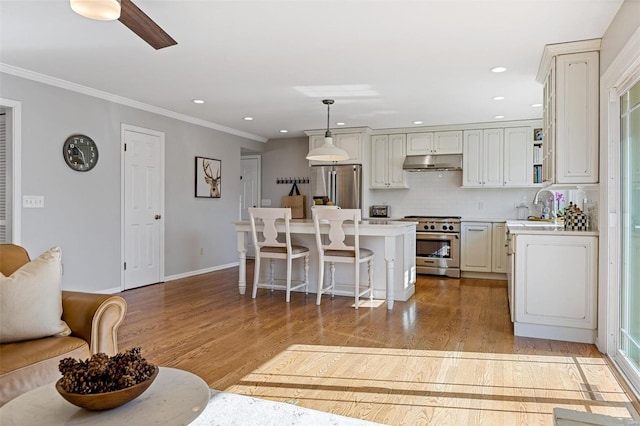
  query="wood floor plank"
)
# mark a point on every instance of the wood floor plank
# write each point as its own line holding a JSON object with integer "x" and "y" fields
{"x": 446, "y": 356}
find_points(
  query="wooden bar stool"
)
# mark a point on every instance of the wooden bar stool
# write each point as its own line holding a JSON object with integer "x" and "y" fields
{"x": 268, "y": 246}
{"x": 337, "y": 251}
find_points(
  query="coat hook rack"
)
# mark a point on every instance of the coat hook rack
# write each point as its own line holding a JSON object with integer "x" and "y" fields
{"x": 292, "y": 180}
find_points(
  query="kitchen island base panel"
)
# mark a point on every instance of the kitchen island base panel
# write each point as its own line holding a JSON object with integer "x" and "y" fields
{"x": 393, "y": 245}
{"x": 567, "y": 334}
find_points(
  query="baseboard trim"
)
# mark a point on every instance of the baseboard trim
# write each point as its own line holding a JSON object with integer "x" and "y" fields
{"x": 200, "y": 271}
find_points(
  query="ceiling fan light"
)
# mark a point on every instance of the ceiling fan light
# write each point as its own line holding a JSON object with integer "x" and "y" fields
{"x": 101, "y": 10}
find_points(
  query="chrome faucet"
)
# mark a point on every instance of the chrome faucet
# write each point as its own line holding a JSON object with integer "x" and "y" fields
{"x": 553, "y": 214}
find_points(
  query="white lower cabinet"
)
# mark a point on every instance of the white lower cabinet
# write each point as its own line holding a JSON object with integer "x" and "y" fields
{"x": 476, "y": 247}
{"x": 483, "y": 247}
{"x": 555, "y": 287}
{"x": 499, "y": 247}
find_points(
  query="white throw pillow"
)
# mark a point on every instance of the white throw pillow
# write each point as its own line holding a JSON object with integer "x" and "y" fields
{"x": 31, "y": 300}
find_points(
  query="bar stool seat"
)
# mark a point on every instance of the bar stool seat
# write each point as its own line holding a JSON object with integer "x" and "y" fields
{"x": 268, "y": 246}
{"x": 337, "y": 251}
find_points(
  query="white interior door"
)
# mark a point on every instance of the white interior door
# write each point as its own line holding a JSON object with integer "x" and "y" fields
{"x": 250, "y": 181}
{"x": 143, "y": 206}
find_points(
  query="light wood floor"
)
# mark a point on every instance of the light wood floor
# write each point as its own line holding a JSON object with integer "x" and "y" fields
{"x": 447, "y": 356}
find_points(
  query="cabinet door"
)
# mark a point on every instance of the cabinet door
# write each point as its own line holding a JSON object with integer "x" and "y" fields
{"x": 379, "y": 161}
{"x": 518, "y": 156}
{"x": 447, "y": 142}
{"x": 419, "y": 143}
{"x": 472, "y": 159}
{"x": 476, "y": 247}
{"x": 352, "y": 143}
{"x": 499, "y": 247}
{"x": 493, "y": 140}
{"x": 547, "y": 292}
{"x": 577, "y": 77}
{"x": 397, "y": 150}
{"x": 549, "y": 127}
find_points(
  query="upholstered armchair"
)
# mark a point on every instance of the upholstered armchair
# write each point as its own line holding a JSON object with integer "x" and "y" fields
{"x": 93, "y": 320}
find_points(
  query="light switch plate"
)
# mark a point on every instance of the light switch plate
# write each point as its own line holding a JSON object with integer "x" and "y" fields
{"x": 33, "y": 201}
{"x": 265, "y": 203}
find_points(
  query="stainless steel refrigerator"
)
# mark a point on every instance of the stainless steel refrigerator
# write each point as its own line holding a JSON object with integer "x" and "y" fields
{"x": 342, "y": 184}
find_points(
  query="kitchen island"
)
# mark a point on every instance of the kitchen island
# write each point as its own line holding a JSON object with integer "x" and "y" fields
{"x": 552, "y": 281}
{"x": 392, "y": 242}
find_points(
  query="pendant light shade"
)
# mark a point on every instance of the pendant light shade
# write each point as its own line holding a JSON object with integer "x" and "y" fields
{"x": 328, "y": 151}
{"x": 102, "y": 10}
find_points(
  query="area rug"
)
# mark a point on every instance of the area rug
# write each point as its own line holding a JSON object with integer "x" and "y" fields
{"x": 228, "y": 409}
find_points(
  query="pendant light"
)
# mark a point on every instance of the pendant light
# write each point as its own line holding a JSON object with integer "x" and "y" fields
{"x": 102, "y": 10}
{"x": 328, "y": 151}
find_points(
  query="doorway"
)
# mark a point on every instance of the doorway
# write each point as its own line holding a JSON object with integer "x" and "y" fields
{"x": 250, "y": 178}
{"x": 142, "y": 206}
{"x": 10, "y": 170}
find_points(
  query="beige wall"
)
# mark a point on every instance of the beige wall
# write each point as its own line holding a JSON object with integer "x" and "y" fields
{"x": 624, "y": 24}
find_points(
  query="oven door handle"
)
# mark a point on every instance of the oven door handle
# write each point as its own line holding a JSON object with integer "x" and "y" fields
{"x": 436, "y": 236}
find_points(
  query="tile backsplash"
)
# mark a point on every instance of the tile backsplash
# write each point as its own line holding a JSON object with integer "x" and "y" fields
{"x": 441, "y": 194}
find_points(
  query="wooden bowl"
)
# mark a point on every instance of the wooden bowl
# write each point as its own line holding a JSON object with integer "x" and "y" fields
{"x": 106, "y": 400}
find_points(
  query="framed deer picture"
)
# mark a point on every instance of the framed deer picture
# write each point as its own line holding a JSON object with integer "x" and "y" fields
{"x": 208, "y": 177}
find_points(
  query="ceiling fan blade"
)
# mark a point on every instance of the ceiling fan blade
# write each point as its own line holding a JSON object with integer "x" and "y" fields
{"x": 138, "y": 22}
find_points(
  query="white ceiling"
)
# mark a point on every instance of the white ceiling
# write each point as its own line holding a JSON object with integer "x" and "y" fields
{"x": 385, "y": 63}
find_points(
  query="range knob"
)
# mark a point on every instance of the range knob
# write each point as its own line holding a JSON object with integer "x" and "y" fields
{"x": 444, "y": 227}
{"x": 433, "y": 227}
{"x": 426, "y": 227}
{"x": 450, "y": 227}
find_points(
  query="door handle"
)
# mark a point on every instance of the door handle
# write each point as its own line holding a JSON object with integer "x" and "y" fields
{"x": 158, "y": 217}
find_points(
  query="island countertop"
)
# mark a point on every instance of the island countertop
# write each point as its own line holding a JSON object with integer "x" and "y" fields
{"x": 392, "y": 241}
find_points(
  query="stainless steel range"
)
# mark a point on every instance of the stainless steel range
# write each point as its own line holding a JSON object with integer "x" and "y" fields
{"x": 437, "y": 245}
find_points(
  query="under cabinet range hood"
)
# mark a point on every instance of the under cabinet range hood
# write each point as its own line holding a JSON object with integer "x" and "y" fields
{"x": 437, "y": 162}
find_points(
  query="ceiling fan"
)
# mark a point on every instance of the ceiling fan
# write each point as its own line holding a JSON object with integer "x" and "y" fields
{"x": 129, "y": 14}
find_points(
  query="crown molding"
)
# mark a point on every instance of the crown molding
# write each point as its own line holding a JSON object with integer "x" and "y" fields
{"x": 552, "y": 50}
{"x": 64, "y": 84}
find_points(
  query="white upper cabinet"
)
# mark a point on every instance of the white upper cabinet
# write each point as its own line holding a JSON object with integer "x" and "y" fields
{"x": 482, "y": 158}
{"x": 419, "y": 143}
{"x": 448, "y": 142}
{"x": 353, "y": 143}
{"x": 497, "y": 157}
{"x": 518, "y": 156}
{"x": 434, "y": 143}
{"x": 387, "y": 156}
{"x": 570, "y": 73}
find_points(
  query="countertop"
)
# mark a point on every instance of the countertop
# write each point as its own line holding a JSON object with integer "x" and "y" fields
{"x": 540, "y": 228}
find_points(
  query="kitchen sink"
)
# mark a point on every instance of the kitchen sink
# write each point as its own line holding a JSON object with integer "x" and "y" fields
{"x": 535, "y": 224}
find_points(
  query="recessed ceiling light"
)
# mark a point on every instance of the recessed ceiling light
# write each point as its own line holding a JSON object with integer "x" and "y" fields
{"x": 498, "y": 98}
{"x": 198, "y": 101}
{"x": 284, "y": 131}
{"x": 339, "y": 123}
{"x": 499, "y": 116}
{"x": 536, "y": 105}
{"x": 247, "y": 118}
{"x": 417, "y": 122}
{"x": 498, "y": 69}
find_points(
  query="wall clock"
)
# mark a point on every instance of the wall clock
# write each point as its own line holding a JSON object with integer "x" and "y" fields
{"x": 80, "y": 153}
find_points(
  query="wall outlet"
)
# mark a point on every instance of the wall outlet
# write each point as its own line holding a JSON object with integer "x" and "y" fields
{"x": 33, "y": 201}
{"x": 265, "y": 203}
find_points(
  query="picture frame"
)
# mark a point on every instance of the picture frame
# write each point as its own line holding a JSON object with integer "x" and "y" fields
{"x": 208, "y": 177}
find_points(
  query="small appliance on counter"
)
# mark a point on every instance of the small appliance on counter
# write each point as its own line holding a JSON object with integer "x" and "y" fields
{"x": 379, "y": 211}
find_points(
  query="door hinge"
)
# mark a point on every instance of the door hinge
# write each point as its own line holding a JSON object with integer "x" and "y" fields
{"x": 125, "y": 266}
{"x": 125, "y": 146}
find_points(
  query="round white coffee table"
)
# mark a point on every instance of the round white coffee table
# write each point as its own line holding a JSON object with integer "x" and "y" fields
{"x": 176, "y": 397}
